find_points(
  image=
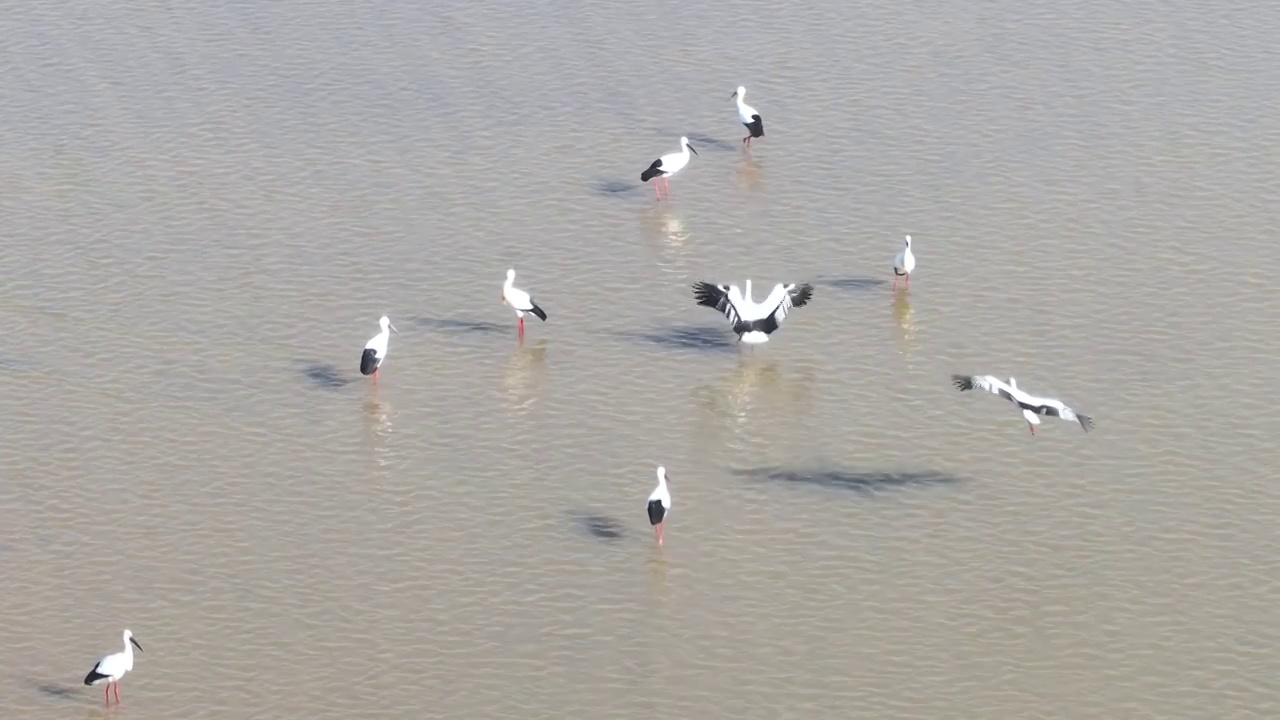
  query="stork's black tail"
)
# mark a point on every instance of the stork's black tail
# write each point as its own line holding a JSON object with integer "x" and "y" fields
{"x": 542, "y": 315}
{"x": 657, "y": 513}
{"x": 368, "y": 361}
{"x": 652, "y": 172}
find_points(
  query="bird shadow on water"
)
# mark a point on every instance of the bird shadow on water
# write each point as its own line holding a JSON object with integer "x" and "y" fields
{"x": 454, "y": 325}
{"x": 862, "y": 482}
{"x": 55, "y": 691}
{"x": 857, "y": 283}
{"x": 600, "y": 527}
{"x": 13, "y": 364}
{"x": 614, "y": 188}
{"x": 686, "y": 337}
{"x": 700, "y": 141}
{"x": 324, "y": 375}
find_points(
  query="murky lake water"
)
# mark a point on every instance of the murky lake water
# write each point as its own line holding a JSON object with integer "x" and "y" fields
{"x": 207, "y": 208}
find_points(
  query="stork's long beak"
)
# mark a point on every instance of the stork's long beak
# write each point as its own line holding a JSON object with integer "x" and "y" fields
{"x": 734, "y": 95}
{"x": 695, "y": 152}
{"x": 393, "y": 327}
{"x": 135, "y": 644}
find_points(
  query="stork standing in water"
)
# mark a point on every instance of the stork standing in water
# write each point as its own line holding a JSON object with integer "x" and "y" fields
{"x": 520, "y": 300}
{"x": 667, "y": 165}
{"x": 659, "y": 504}
{"x": 903, "y": 264}
{"x": 111, "y": 668}
{"x": 748, "y": 116}
{"x": 1032, "y": 407}
{"x": 752, "y": 322}
{"x": 375, "y": 351}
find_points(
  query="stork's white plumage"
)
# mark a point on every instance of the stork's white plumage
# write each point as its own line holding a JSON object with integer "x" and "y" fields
{"x": 748, "y": 116}
{"x": 659, "y": 504}
{"x": 903, "y": 264}
{"x": 753, "y": 322}
{"x": 375, "y": 351}
{"x": 110, "y": 668}
{"x": 520, "y": 300}
{"x": 667, "y": 165}
{"x": 1032, "y": 407}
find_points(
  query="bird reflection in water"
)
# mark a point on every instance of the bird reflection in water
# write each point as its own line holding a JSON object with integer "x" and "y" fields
{"x": 754, "y": 372}
{"x": 750, "y": 174}
{"x": 668, "y": 235}
{"x": 756, "y": 390}
{"x": 650, "y": 647}
{"x": 730, "y": 400}
{"x": 904, "y": 318}
{"x": 378, "y": 426}
{"x": 378, "y": 413}
{"x": 659, "y": 589}
{"x": 526, "y": 366}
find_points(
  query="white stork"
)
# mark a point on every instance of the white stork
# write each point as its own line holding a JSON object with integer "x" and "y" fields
{"x": 753, "y": 322}
{"x": 903, "y": 264}
{"x": 748, "y": 116}
{"x": 520, "y": 301}
{"x": 1032, "y": 407}
{"x": 659, "y": 504}
{"x": 375, "y": 351}
{"x": 668, "y": 165}
{"x": 110, "y": 668}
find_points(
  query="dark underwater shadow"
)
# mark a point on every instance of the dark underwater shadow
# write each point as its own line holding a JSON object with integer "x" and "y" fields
{"x": 454, "y": 325}
{"x": 600, "y": 527}
{"x": 863, "y": 482}
{"x": 854, "y": 283}
{"x": 687, "y": 337}
{"x": 325, "y": 376}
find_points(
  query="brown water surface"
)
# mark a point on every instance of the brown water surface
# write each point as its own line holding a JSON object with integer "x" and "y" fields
{"x": 207, "y": 206}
